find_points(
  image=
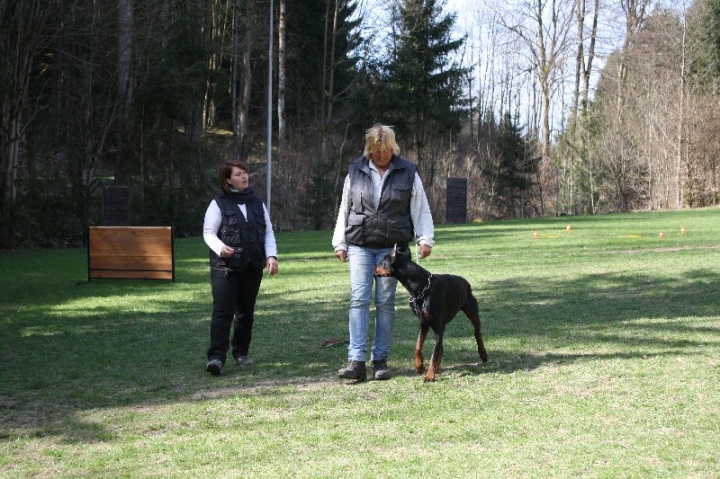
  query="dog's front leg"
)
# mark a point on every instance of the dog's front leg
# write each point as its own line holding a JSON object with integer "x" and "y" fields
{"x": 435, "y": 359}
{"x": 419, "y": 366}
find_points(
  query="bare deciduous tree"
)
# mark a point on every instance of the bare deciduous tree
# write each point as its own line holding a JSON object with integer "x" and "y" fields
{"x": 24, "y": 26}
{"x": 544, "y": 26}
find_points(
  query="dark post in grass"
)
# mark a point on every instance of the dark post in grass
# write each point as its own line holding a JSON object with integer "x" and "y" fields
{"x": 456, "y": 200}
{"x": 116, "y": 206}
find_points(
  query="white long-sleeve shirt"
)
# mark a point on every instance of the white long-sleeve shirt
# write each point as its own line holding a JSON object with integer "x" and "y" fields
{"x": 211, "y": 227}
{"x": 419, "y": 210}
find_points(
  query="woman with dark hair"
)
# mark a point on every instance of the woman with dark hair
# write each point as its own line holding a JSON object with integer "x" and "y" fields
{"x": 238, "y": 231}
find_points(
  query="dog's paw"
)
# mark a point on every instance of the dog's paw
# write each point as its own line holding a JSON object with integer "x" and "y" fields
{"x": 483, "y": 355}
{"x": 429, "y": 379}
{"x": 419, "y": 364}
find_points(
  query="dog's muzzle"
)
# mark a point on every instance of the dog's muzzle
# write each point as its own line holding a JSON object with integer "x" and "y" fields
{"x": 377, "y": 271}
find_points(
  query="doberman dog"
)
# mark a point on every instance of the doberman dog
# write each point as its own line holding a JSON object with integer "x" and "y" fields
{"x": 435, "y": 299}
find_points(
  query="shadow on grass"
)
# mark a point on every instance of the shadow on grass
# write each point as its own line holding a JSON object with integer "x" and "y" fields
{"x": 56, "y": 366}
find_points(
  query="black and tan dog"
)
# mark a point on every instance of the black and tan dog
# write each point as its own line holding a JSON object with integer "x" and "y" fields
{"x": 435, "y": 299}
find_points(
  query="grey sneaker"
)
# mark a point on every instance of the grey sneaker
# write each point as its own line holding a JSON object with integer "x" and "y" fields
{"x": 354, "y": 370}
{"x": 214, "y": 367}
{"x": 244, "y": 361}
{"x": 380, "y": 370}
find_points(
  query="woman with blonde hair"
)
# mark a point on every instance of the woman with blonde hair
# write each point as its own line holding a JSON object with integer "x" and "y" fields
{"x": 383, "y": 203}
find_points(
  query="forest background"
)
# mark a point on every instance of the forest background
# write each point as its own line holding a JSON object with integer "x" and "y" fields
{"x": 546, "y": 107}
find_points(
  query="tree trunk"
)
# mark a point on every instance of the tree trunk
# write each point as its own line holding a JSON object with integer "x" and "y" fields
{"x": 579, "y": 58}
{"x": 247, "y": 79}
{"x": 124, "y": 45}
{"x": 281, "y": 84}
{"x": 680, "y": 170}
{"x": 234, "y": 80}
{"x": 324, "y": 85}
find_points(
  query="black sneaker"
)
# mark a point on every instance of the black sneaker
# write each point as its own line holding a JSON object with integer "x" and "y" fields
{"x": 214, "y": 367}
{"x": 354, "y": 370}
{"x": 244, "y": 361}
{"x": 380, "y": 370}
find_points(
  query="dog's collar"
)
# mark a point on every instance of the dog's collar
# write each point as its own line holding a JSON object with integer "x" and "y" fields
{"x": 419, "y": 297}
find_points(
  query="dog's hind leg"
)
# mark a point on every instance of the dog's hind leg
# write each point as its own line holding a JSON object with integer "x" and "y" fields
{"x": 419, "y": 366}
{"x": 471, "y": 310}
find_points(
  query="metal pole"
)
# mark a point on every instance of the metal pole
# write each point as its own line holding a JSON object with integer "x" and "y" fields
{"x": 268, "y": 201}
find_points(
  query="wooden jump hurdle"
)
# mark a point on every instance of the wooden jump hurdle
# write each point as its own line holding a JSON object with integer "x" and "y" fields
{"x": 131, "y": 252}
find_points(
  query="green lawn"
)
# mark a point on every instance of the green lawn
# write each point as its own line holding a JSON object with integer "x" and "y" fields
{"x": 604, "y": 345}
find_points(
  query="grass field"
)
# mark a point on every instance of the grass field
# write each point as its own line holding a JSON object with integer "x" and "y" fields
{"x": 604, "y": 345}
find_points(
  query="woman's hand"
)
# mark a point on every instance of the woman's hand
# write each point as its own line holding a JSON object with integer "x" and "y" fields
{"x": 341, "y": 255}
{"x": 272, "y": 265}
{"x": 226, "y": 251}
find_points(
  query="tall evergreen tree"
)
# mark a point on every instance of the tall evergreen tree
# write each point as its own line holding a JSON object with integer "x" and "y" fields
{"x": 321, "y": 39}
{"x": 424, "y": 92}
{"x": 322, "y": 62}
{"x": 515, "y": 167}
{"x": 704, "y": 21}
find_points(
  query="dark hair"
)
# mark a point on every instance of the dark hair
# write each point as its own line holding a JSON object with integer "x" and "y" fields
{"x": 226, "y": 172}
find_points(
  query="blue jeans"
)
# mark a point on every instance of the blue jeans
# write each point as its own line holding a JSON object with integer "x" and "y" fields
{"x": 362, "y": 260}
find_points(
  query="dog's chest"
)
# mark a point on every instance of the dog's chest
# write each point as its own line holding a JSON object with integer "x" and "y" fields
{"x": 420, "y": 308}
{"x": 416, "y": 307}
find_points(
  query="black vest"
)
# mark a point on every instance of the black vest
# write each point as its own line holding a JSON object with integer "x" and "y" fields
{"x": 246, "y": 236}
{"x": 391, "y": 223}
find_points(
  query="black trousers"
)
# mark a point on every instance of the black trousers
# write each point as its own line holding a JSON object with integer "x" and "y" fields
{"x": 234, "y": 296}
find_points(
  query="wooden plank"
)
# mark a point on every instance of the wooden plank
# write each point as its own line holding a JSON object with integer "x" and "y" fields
{"x": 105, "y": 274}
{"x": 151, "y": 246}
{"x": 132, "y": 252}
{"x": 130, "y": 262}
{"x": 141, "y": 250}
